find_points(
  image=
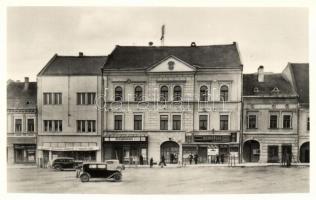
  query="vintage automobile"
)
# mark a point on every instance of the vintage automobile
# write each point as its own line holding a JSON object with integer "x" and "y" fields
{"x": 99, "y": 170}
{"x": 62, "y": 163}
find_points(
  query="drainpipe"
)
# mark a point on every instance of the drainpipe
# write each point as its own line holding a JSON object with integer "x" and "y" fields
{"x": 102, "y": 115}
{"x": 241, "y": 118}
{"x": 298, "y": 131}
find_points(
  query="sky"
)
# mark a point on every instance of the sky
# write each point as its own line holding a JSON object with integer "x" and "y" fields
{"x": 271, "y": 37}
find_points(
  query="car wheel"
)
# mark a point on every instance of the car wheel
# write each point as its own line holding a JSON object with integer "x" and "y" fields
{"x": 84, "y": 178}
{"x": 58, "y": 168}
{"x": 117, "y": 177}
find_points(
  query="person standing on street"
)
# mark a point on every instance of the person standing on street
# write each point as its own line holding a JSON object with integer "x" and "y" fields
{"x": 151, "y": 162}
{"x": 162, "y": 162}
{"x": 196, "y": 158}
{"x": 141, "y": 160}
{"x": 190, "y": 158}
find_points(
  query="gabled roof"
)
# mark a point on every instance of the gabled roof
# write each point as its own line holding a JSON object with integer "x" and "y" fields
{"x": 20, "y": 98}
{"x": 300, "y": 77}
{"x": 271, "y": 81}
{"x": 73, "y": 65}
{"x": 143, "y": 57}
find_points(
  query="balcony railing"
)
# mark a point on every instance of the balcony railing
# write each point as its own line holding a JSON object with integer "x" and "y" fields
{"x": 22, "y": 134}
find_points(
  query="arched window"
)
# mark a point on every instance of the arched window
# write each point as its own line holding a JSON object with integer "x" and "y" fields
{"x": 177, "y": 93}
{"x": 224, "y": 93}
{"x": 138, "y": 93}
{"x": 164, "y": 93}
{"x": 118, "y": 94}
{"x": 203, "y": 93}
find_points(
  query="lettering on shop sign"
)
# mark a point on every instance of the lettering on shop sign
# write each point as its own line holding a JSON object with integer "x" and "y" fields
{"x": 125, "y": 139}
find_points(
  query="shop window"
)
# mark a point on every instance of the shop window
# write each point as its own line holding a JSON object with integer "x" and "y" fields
{"x": 138, "y": 93}
{"x": 203, "y": 93}
{"x": 287, "y": 121}
{"x": 164, "y": 93}
{"x": 118, "y": 122}
{"x": 137, "y": 122}
{"x": 176, "y": 122}
{"x": 30, "y": 125}
{"x": 177, "y": 92}
{"x": 273, "y": 121}
{"x": 224, "y": 122}
{"x": 53, "y": 126}
{"x": 18, "y": 125}
{"x": 118, "y": 94}
{"x": 224, "y": 93}
{"x": 203, "y": 122}
{"x": 252, "y": 121}
{"x": 54, "y": 98}
{"x": 163, "y": 122}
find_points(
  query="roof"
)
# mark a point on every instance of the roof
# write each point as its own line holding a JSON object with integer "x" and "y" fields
{"x": 300, "y": 74}
{"x": 271, "y": 81}
{"x": 143, "y": 57}
{"x": 73, "y": 65}
{"x": 20, "y": 98}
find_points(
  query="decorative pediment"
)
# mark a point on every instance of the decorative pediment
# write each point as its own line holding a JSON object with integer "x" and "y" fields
{"x": 171, "y": 64}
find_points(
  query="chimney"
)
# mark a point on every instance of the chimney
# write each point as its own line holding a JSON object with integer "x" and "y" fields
{"x": 261, "y": 74}
{"x": 26, "y": 83}
{"x": 193, "y": 44}
{"x": 150, "y": 43}
{"x": 80, "y": 54}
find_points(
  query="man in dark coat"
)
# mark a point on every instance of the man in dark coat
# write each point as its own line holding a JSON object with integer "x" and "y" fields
{"x": 196, "y": 158}
{"x": 141, "y": 160}
{"x": 151, "y": 162}
{"x": 190, "y": 158}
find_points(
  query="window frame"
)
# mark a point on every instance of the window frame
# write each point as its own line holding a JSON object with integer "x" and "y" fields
{"x": 164, "y": 97}
{"x": 220, "y": 122}
{"x": 204, "y": 122}
{"x": 178, "y": 122}
{"x": 205, "y": 95}
{"x": 138, "y": 95}
{"x": 167, "y": 124}
{"x": 248, "y": 121}
{"x": 277, "y": 121}
{"x": 15, "y": 124}
{"x": 121, "y": 122}
{"x": 115, "y": 93}
{"x": 177, "y": 97}
{"x": 224, "y": 93}
{"x": 290, "y": 121}
{"x": 139, "y": 126}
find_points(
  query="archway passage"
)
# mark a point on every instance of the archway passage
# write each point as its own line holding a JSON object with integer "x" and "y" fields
{"x": 170, "y": 151}
{"x": 251, "y": 151}
{"x": 304, "y": 153}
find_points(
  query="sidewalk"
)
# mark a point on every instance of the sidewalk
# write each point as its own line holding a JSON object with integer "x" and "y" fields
{"x": 219, "y": 165}
{"x": 21, "y": 166}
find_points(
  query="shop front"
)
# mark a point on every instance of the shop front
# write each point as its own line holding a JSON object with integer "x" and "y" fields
{"x": 24, "y": 153}
{"x": 128, "y": 148}
{"x": 211, "y": 149}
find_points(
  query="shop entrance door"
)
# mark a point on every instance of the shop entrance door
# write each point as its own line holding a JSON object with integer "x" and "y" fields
{"x": 273, "y": 154}
{"x": 304, "y": 153}
{"x": 251, "y": 151}
{"x": 202, "y": 152}
{"x": 118, "y": 154}
{"x": 170, "y": 150}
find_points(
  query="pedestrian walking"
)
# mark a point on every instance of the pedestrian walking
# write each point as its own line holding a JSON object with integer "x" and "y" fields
{"x": 151, "y": 162}
{"x": 196, "y": 158}
{"x": 217, "y": 159}
{"x": 162, "y": 162}
{"x": 190, "y": 158}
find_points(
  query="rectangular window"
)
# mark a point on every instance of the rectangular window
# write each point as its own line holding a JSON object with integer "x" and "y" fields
{"x": 86, "y": 98}
{"x": 307, "y": 124}
{"x": 163, "y": 122}
{"x": 203, "y": 122}
{"x": 53, "y": 126}
{"x": 118, "y": 122}
{"x": 224, "y": 122}
{"x": 137, "y": 122}
{"x": 18, "y": 125}
{"x": 86, "y": 126}
{"x": 252, "y": 121}
{"x": 273, "y": 121}
{"x": 287, "y": 121}
{"x": 176, "y": 122}
{"x": 52, "y": 98}
{"x": 30, "y": 125}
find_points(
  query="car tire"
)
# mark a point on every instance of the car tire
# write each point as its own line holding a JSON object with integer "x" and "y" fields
{"x": 117, "y": 177}
{"x": 84, "y": 178}
{"x": 58, "y": 168}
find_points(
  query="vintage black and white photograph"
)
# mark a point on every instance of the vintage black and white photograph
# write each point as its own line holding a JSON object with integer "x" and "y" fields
{"x": 157, "y": 100}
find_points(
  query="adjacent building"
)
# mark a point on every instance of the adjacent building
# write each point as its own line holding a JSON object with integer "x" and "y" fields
{"x": 68, "y": 115}
{"x": 172, "y": 101}
{"x": 298, "y": 75}
{"x": 21, "y": 122}
{"x": 270, "y": 116}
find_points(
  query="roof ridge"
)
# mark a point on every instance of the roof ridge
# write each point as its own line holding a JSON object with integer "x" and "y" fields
{"x": 175, "y": 46}
{"x": 68, "y": 56}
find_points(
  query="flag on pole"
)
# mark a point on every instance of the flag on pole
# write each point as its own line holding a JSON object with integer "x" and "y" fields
{"x": 162, "y": 32}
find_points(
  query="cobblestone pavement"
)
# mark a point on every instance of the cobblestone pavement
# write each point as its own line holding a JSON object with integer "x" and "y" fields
{"x": 199, "y": 180}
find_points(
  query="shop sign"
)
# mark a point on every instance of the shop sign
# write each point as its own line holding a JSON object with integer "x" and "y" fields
{"x": 135, "y": 139}
{"x": 93, "y": 148}
{"x": 212, "y": 150}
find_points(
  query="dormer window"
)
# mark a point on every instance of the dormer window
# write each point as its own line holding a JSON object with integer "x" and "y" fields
{"x": 255, "y": 90}
{"x": 170, "y": 65}
{"x": 275, "y": 90}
